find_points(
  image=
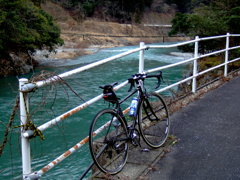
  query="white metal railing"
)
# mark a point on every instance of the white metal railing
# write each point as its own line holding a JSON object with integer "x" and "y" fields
{"x": 26, "y": 88}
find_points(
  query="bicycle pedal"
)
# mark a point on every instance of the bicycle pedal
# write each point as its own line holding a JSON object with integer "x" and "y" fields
{"x": 136, "y": 142}
{"x": 118, "y": 148}
{"x": 145, "y": 150}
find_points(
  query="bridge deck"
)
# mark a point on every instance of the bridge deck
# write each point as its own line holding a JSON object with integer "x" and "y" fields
{"x": 208, "y": 133}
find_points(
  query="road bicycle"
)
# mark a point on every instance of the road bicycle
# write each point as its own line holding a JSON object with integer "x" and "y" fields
{"x": 110, "y": 132}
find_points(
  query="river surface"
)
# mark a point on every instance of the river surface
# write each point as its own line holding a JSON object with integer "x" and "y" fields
{"x": 51, "y": 101}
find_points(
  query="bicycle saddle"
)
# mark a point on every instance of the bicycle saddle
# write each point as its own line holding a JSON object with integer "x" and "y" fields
{"x": 109, "y": 94}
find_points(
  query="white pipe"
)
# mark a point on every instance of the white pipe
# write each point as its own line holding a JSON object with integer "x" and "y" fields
{"x": 70, "y": 112}
{"x": 170, "y": 65}
{"x": 141, "y": 58}
{"x": 235, "y": 47}
{"x": 194, "y": 83}
{"x": 84, "y": 68}
{"x": 226, "y": 56}
{"x": 26, "y": 159}
{"x": 175, "y": 84}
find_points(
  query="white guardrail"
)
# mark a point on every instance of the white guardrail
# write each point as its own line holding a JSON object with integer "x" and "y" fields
{"x": 26, "y": 88}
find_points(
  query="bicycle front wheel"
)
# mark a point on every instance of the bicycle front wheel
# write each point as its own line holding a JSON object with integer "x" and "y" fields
{"x": 108, "y": 141}
{"x": 153, "y": 120}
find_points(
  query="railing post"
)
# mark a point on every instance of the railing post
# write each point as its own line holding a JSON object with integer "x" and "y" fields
{"x": 194, "y": 82}
{"x": 141, "y": 58}
{"x": 226, "y": 55}
{"x": 25, "y": 143}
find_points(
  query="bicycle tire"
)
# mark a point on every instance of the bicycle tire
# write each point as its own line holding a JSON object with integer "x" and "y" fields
{"x": 109, "y": 148}
{"x": 153, "y": 127}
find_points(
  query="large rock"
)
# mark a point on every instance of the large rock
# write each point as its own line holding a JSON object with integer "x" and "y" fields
{"x": 16, "y": 64}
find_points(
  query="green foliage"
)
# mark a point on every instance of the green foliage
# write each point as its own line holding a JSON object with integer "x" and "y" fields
{"x": 25, "y": 27}
{"x": 121, "y": 10}
{"x": 224, "y": 5}
{"x": 206, "y": 22}
{"x": 233, "y": 20}
{"x": 126, "y": 10}
{"x": 217, "y": 18}
{"x": 137, "y": 17}
{"x": 180, "y": 24}
{"x": 37, "y": 2}
{"x": 203, "y": 22}
{"x": 183, "y": 5}
{"x": 88, "y": 7}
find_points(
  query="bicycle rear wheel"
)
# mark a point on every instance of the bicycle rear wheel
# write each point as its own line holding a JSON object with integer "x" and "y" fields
{"x": 153, "y": 120}
{"x": 108, "y": 141}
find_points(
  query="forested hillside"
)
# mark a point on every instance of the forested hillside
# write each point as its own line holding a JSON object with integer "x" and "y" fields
{"x": 122, "y": 11}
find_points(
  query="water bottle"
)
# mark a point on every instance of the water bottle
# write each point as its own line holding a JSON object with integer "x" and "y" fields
{"x": 133, "y": 107}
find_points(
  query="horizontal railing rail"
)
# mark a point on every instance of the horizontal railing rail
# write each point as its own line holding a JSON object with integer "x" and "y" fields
{"x": 26, "y": 88}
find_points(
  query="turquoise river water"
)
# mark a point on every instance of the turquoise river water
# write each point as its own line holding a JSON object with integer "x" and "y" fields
{"x": 51, "y": 101}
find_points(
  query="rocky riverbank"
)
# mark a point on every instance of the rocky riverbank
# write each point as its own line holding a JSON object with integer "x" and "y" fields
{"x": 70, "y": 52}
{"x": 23, "y": 63}
{"x": 17, "y": 64}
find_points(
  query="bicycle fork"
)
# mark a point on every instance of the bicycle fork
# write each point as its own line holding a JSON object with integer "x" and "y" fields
{"x": 147, "y": 106}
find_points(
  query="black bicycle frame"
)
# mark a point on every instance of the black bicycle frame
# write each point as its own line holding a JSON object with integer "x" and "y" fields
{"x": 140, "y": 96}
{"x": 119, "y": 109}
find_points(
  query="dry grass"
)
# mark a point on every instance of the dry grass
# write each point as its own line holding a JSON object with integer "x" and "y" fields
{"x": 80, "y": 34}
{"x": 72, "y": 30}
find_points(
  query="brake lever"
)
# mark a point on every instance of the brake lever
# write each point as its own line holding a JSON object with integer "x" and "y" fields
{"x": 159, "y": 82}
{"x": 131, "y": 82}
{"x": 159, "y": 78}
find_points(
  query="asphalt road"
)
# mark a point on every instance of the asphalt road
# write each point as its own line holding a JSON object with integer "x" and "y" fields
{"x": 208, "y": 131}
